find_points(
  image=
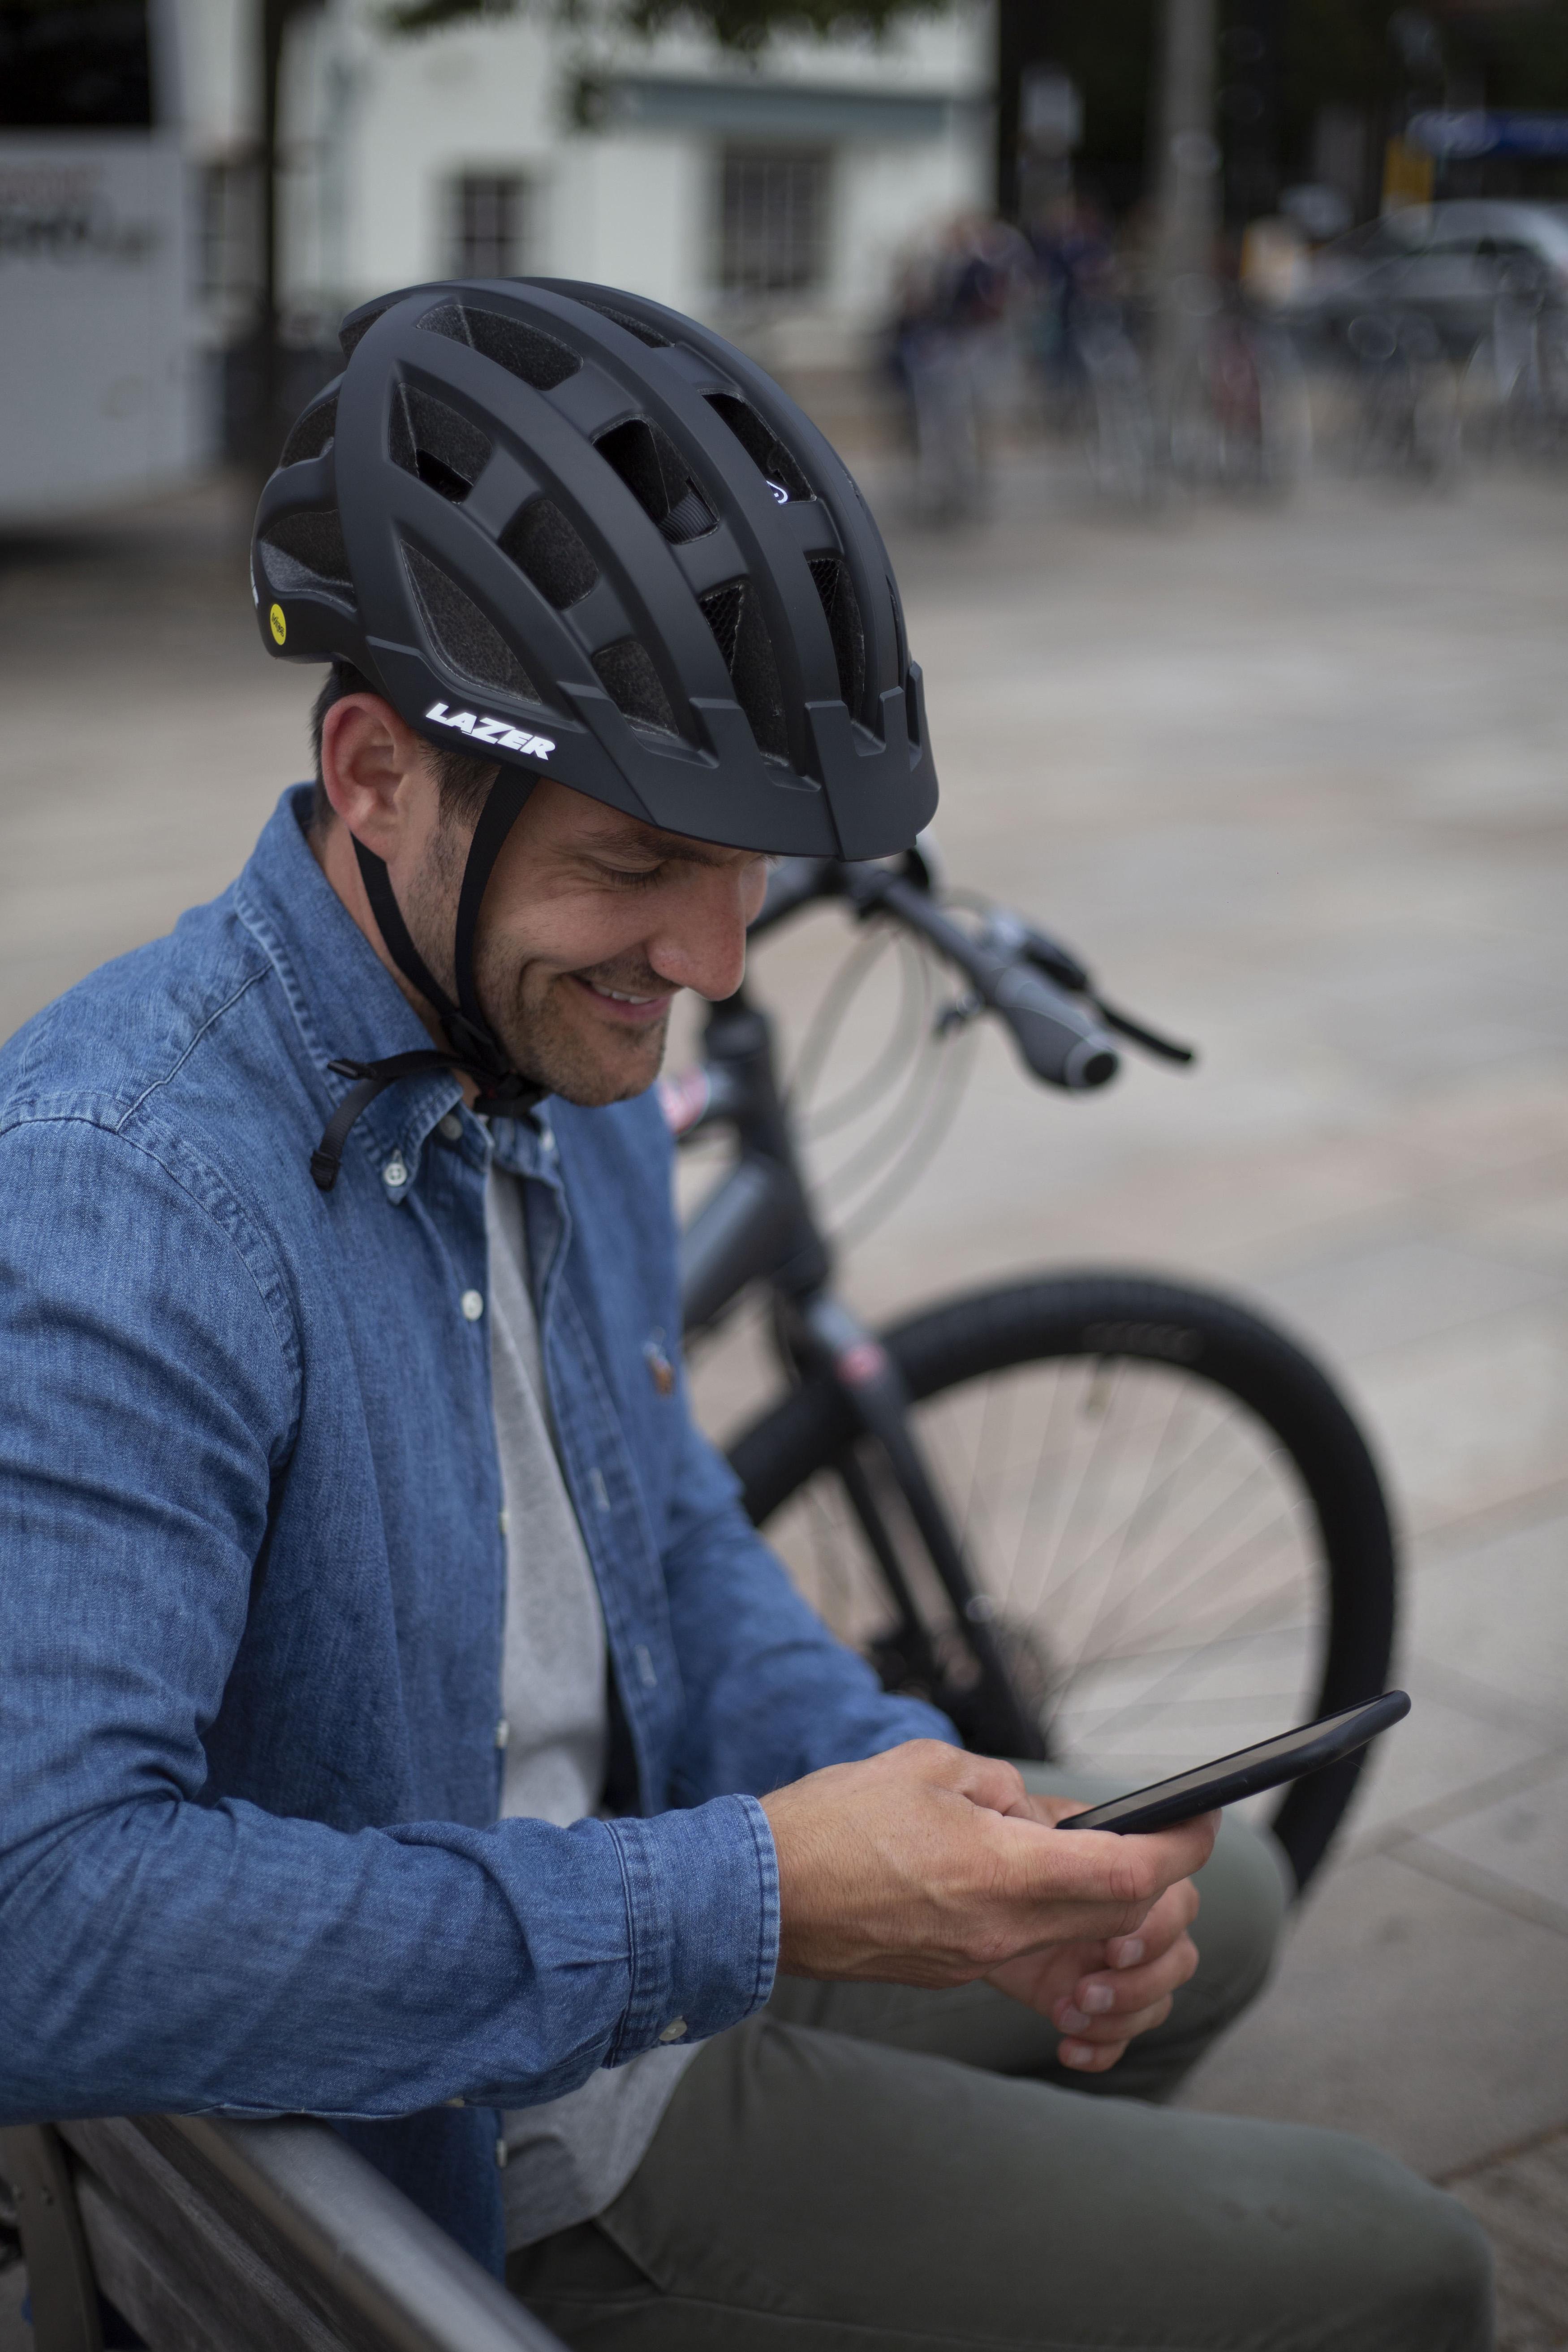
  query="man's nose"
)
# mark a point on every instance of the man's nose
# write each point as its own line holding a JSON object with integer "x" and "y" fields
{"x": 704, "y": 946}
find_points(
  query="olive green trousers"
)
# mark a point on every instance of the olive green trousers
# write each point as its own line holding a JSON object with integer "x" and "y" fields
{"x": 867, "y": 2168}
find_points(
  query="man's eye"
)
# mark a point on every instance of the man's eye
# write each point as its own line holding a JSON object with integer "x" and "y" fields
{"x": 632, "y": 878}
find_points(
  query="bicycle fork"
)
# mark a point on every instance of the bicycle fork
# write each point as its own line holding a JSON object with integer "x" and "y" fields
{"x": 997, "y": 1721}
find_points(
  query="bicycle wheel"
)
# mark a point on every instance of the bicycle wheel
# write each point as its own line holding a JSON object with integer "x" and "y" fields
{"x": 1176, "y": 1526}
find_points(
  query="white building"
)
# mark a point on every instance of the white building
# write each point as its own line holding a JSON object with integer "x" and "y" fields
{"x": 770, "y": 199}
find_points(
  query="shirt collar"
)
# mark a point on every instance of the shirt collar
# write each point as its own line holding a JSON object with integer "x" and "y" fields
{"x": 343, "y": 1000}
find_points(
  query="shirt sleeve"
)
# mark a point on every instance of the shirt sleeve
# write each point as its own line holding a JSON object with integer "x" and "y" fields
{"x": 771, "y": 1693}
{"x": 163, "y": 1948}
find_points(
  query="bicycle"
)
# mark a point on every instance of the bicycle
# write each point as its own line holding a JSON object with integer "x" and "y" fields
{"x": 1407, "y": 399}
{"x": 1238, "y": 416}
{"x": 1099, "y": 1517}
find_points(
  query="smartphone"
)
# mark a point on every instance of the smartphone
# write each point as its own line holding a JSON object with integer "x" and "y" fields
{"x": 1267, "y": 1765}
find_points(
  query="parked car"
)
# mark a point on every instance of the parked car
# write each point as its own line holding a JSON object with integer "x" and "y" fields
{"x": 1445, "y": 263}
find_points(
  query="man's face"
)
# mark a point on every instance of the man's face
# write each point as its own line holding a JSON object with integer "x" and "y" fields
{"x": 591, "y": 924}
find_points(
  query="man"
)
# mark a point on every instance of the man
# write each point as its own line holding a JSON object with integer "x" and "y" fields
{"x": 404, "y": 1725}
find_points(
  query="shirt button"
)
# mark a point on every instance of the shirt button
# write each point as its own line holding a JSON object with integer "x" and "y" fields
{"x": 676, "y": 2031}
{"x": 503, "y": 1732}
{"x": 394, "y": 1173}
{"x": 505, "y": 1522}
{"x": 451, "y": 1126}
{"x": 546, "y": 1136}
{"x": 472, "y": 1305}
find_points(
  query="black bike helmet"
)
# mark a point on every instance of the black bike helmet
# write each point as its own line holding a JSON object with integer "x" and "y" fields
{"x": 578, "y": 534}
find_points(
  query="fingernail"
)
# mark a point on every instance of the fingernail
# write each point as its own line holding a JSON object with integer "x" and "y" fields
{"x": 1129, "y": 1952}
{"x": 1097, "y": 1998}
{"x": 1071, "y": 2019}
{"x": 1076, "y": 2053}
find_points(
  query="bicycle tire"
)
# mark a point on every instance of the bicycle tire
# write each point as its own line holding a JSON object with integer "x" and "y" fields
{"x": 1167, "y": 1333}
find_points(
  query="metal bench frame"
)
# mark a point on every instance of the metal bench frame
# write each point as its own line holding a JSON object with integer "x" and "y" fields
{"x": 216, "y": 2236}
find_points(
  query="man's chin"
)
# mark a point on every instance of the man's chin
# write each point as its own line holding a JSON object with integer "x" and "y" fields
{"x": 592, "y": 1071}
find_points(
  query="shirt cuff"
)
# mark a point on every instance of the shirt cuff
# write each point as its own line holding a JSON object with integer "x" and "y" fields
{"x": 702, "y": 1903}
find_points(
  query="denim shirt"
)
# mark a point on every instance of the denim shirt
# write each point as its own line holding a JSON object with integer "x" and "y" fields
{"x": 252, "y": 1574}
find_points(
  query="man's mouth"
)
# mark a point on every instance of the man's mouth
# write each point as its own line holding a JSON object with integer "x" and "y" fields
{"x": 638, "y": 1011}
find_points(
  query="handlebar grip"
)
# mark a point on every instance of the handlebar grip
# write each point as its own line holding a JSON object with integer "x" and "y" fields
{"x": 1059, "y": 1041}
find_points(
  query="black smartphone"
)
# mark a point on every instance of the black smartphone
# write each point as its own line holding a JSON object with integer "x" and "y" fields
{"x": 1267, "y": 1765}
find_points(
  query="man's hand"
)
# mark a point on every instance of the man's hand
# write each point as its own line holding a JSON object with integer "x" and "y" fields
{"x": 928, "y": 1867}
{"x": 1102, "y": 1994}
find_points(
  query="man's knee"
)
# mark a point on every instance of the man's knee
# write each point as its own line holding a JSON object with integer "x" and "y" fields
{"x": 1243, "y": 1895}
{"x": 1413, "y": 2271}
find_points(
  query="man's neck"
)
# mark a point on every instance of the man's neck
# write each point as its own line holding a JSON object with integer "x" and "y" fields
{"x": 331, "y": 846}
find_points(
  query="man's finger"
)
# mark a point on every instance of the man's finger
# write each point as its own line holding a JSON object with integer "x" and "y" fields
{"x": 1100, "y": 1868}
{"x": 1088, "y": 2057}
{"x": 1170, "y": 1919}
{"x": 1118, "y": 1997}
{"x": 1116, "y": 2032}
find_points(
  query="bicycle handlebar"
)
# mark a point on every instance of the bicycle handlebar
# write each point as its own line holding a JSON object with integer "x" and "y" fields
{"x": 1037, "y": 986}
{"x": 1061, "y": 1042}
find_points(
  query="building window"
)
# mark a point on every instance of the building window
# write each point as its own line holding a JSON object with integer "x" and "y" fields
{"x": 489, "y": 227}
{"x": 773, "y": 219}
{"x": 230, "y": 243}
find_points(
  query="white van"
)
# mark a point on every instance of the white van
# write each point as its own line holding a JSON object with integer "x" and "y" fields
{"x": 103, "y": 393}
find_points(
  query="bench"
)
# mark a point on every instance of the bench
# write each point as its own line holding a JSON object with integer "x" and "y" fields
{"x": 213, "y": 2235}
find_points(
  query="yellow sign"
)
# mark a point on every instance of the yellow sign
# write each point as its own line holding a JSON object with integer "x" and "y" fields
{"x": 1407, "y": 176}
{"x": 278, "y": 625}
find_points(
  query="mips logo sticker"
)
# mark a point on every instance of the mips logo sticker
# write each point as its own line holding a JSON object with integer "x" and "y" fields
{"x": 278, "y": 625}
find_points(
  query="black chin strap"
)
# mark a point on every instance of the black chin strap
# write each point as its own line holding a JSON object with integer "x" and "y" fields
{"x": 472, "y": 1048}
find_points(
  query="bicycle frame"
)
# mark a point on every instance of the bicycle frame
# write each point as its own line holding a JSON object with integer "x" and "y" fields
{"x": 758, "y": 1225}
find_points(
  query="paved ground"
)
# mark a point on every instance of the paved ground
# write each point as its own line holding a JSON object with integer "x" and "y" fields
{"x": 1299, "y": 781}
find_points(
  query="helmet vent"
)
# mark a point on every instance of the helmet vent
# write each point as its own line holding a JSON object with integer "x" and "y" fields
{"x": 628, "y": 675}
{"x": 762, "y": 445}
{"x": 431, "y": 440}
{"x": 313, "y": 433}
{"x": 650, "y": 465}
{"x": 306, "y": 551}
{"x": 468, "y": 642}
{"x": 842, "y": 607}
{"x": 551, "y": 553}
{"x": 734, "y": 616}
{"x": 649, "y": 335}
{"x": 523, "y": 351}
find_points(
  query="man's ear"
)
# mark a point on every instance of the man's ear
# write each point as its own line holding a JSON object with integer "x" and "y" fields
{"x": 370, "y": 761}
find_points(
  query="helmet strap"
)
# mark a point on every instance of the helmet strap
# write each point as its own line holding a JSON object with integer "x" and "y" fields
{"x": 472, "y": 1045}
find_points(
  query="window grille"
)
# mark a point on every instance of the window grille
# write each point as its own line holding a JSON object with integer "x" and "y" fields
{"x": 488, "y": 225}
{"x": 773, "y": 219}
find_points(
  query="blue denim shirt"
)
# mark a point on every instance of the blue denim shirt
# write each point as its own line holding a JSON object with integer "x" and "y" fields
{"x": 252, "y": 1573}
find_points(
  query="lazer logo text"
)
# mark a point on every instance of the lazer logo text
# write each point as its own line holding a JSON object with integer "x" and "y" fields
{"x": 498, "y": 732}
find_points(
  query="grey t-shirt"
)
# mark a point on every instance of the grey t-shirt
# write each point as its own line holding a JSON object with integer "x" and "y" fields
{"x": 568, "y": 2159}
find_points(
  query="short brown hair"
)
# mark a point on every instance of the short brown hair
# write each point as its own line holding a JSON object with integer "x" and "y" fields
{"x": 464, "y": 782}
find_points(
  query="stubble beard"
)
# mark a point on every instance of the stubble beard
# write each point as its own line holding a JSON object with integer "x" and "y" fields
{"x": 548, "y": 1039}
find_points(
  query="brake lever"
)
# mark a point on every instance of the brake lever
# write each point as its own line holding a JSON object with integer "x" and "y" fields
{"x": 1167, "y": 1048}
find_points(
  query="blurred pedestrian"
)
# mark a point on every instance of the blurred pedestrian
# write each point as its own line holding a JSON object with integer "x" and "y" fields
{"x": 958, "y": 303}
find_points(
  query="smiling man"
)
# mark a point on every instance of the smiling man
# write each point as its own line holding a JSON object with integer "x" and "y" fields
{"x": 403, "y": 1723}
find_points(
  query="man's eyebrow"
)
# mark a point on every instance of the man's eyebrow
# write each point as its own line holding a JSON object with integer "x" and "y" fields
{"x": 675, "y": 848}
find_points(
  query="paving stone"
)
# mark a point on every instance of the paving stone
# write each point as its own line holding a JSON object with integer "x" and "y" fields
{"x": 1405, "y": 1290}
{"x": 1521, "y": 1841}
{"x": 1431, "y": 1761}
{"x": 1496, "y": 1614}
{"x": 1521, "y": 2202}
{"x": 1407, "y": 2011}
{"x": 1473, "y": 1415}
